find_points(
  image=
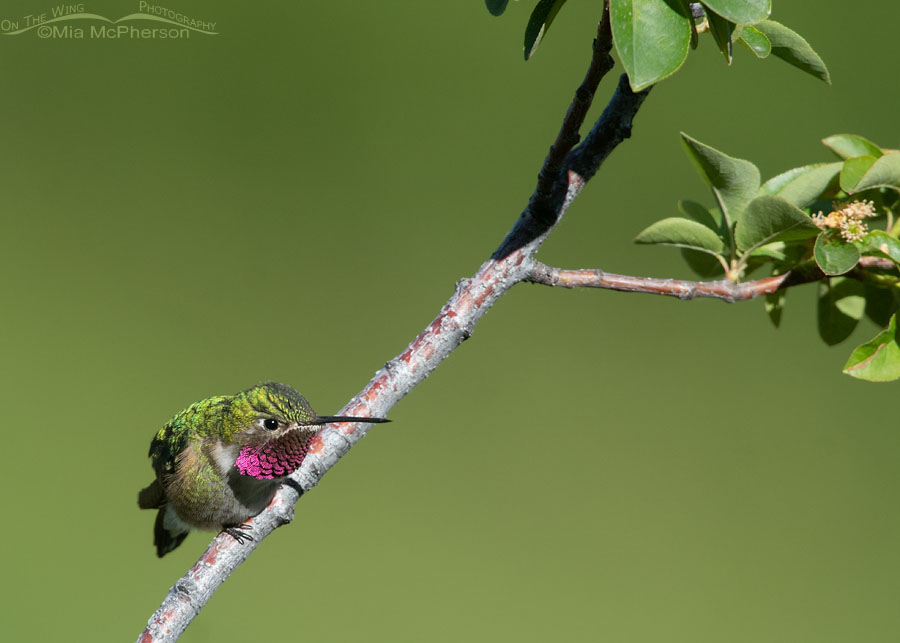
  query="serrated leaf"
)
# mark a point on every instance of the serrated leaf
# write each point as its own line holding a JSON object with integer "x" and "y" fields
{"x": 700, "y": 214}
{"x": 675, "y": 231}
{"x": 775, "y": 306}
{"x": 834, "y": 256}
{"x": 884, "y": 173}
{"x": 793, "y": 49}
{"x": 802, "y": 186}
{"x": 755, "y": 41}
{"x": 849, "y": 145}
{"x": 539, "y": 23}
{"x": 840, "y": 307}
{"x": 878, "y": 360}
{"x": 745, "y": 12}
{"x": 771, "y": 218}
{"x": 734, "y": 182}
{"x": 651, "y": 36}
{"x": 880, "y": 243}
{"x": 853, "y": 170}
{"x": 721, "y": 30}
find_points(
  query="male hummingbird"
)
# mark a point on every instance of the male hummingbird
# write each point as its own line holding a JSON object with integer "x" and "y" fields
{"x": 221, "y": 460}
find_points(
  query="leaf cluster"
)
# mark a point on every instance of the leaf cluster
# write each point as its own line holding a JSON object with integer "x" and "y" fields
{"x": 653, "y": 37}
{"x": 755, "y": 224}
{"x": 779, "y": 224}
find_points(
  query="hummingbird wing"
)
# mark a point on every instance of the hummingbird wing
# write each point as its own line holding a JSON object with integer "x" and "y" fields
{"x": 163, "y": 453}
{"x": 168, "y": 443}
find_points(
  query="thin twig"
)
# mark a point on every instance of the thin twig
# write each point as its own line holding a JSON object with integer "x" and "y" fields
{"x": 723, "y": 289}
{"x": 559, "y": 183}
{"x": 551, "y": 174}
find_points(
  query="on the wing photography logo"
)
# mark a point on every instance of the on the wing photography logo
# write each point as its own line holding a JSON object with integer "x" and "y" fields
{"x": 73, "y": 22}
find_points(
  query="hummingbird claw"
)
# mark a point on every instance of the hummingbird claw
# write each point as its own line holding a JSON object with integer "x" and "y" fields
{"x": 237, "y": 532}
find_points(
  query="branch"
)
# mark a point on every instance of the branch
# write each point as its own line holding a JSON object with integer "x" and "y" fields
{"x": 613, "y": 127}
{"x": 566, "y": 171}
{"x": 551, "y": 181}
{"x": 723, "y": 289}
{"x": 558, "y": 186}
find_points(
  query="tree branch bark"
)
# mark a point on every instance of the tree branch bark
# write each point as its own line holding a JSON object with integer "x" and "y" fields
{"x": 559, "y": 184}
{"x": 722, "y": 289}
{"x": 565, "y": 172}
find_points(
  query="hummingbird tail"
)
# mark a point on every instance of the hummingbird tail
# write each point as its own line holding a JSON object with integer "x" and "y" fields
{"x": 168, "y": 533}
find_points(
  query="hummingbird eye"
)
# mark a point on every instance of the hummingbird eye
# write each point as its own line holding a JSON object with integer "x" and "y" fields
{"x": 269, "y": 424}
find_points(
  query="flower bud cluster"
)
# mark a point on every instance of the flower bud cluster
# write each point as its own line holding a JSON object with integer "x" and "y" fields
{"x": 848, "y": 218}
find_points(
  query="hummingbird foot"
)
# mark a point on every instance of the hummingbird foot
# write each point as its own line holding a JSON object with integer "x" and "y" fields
{"x": 238, "y": 532}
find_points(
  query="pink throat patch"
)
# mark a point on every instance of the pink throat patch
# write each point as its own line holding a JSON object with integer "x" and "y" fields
{"x": 275, "y": 459}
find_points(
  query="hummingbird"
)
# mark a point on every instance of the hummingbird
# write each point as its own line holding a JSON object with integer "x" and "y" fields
{"x": 221, "y": 460}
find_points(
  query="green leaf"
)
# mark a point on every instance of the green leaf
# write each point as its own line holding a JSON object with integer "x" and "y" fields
{"x": 777, "y": 182}
{"x": 849, "y": 145}
{"x": 756, "y": 41}
{"x": 793, "y": 49}
{"x": 774, "y": 251}
{"x": 853, "y": 170}
{"x": 881, "y": 303}
{"x": 695, "y": 38}
{"x": 721, "y": 30}
{"x": 745, "y": 12}
{"x": 841, "y": 305}
{"x": 651, "y": 36}
{"x": 775, "y": 306}
{"x": 834, "y": 255}
{"x": 884, "y": 173}
{"x": 880, "y": 243}
{"x": 684, "y": 233}
{"x": 878, "y": 360}
{"x": 734, "y": 182}
{"x": 700, "y": 214}
{"x": 802, "y": 185}
{"x": 703, "y": 263}
{"x": 496, "y": 7}
{"x": 771, "y": 218}
{"x": 539, "y": 24}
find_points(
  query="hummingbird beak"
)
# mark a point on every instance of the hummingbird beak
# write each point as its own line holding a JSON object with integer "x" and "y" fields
{"x": 328, "y": 419}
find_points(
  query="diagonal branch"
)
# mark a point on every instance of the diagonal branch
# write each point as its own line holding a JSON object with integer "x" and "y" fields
{"x": 613, "y": 127}
{"x": 723, "y": 289}
{"x": 551, "y": 181}
{"x": 558, "y": 186}
{"x": 566, "y": 170}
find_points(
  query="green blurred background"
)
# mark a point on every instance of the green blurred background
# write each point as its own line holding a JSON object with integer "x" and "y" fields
{"x": 293, "y": 199}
